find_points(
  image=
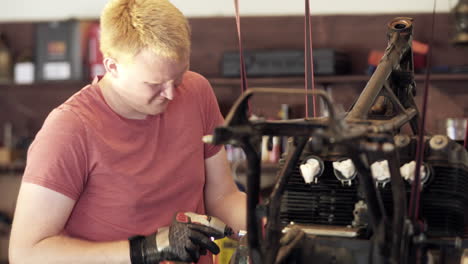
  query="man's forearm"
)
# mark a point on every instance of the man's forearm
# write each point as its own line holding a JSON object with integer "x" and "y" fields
{"x": 62, "y": 249}
{"x": 231, "y": 208}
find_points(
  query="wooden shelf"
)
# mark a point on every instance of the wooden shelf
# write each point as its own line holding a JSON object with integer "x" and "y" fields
{"x": 16, "y": 168}
{"x": 46, "y": 85}
{"x": 279, "y": 81}
{"x": 267, "y": 81}
{"x": 444, "y": 77}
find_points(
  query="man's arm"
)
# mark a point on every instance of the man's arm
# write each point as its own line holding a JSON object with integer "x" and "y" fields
{"x": 39, "y": 220}
{"x": 222, "y": 198}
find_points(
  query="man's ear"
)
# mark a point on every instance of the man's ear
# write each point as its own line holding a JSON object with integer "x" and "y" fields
{"x": 111, "y": 66}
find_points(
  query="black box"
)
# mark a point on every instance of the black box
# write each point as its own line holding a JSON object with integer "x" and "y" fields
{"x": 58, "y": 51}
{"x": 285, "y": 63}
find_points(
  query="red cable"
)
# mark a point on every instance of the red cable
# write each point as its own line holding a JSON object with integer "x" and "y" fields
{"x": 466, "y": 135}
{"x": 312, "y": 62}
{"x": 243, "y": 74}
{"x": 416, "y": 187}
{"x": 306, "y": 70}
{"x": 308, "y": 59}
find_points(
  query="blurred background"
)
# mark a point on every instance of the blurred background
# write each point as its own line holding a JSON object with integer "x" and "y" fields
{"x": 49, "y": 50}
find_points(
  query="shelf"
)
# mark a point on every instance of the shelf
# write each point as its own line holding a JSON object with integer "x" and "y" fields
{"x": 337, "y": 79}
{"x": 46, "y": 85}
{"x": 258, "y": 82}
{"x": 14, "y": 168}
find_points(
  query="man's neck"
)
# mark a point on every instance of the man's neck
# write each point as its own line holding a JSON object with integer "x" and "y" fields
{"x": 115, "y": 101}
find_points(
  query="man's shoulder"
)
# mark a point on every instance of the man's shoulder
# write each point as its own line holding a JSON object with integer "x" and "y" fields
{"x": 194, "y": 75}
{"x": 194, "y": 78}
{"x": 63, "y": 119}
{"x": 82, "y": 99}
{"x": 86, "y": 103}
{"x": 196, "y": 84}
{"x": 73, "y": 113}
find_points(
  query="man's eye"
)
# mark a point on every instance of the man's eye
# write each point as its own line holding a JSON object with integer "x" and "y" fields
{"x": 154, "y": 85}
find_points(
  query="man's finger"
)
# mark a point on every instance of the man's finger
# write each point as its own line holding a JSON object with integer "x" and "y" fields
{"x": 207, "y": 231}
{"x": 203, "y": 251}
{"x": 193, "y": 252}
{"x": 204, "y": 242}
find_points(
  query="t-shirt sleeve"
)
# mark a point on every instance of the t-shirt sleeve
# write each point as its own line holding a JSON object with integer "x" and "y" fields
{"x": 211, "y": 115}
{"x": 57, "y": 157}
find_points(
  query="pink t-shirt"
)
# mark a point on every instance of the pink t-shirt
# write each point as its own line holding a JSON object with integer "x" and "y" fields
{"x": 128, "y": 177}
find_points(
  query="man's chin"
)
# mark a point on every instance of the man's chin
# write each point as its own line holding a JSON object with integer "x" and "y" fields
{"x": 156, "y": 111}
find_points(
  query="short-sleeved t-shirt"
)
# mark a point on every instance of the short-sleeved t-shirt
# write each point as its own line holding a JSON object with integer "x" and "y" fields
{"x": 128, "y": 177}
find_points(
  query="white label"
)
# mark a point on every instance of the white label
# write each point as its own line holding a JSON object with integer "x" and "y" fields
{"x": 24, "y": 72}
{"x": 57, "y": 71}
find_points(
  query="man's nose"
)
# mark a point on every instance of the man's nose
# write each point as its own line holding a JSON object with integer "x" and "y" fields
{"x": 168, "y": 91}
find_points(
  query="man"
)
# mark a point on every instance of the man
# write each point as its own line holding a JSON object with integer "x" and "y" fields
{"x": 121, "y": 157}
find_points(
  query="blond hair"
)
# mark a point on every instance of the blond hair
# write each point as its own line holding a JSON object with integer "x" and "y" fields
{"x": 129, "y": 26}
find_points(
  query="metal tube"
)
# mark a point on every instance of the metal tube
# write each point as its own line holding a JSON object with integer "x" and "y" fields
{"x": 253, "y": 192}
{"x": 394, "y": 123}
{"x": 273, "y": 228}
{"x": 234, "y": 114}
{"x": 370, "y": 194}
{"x": 399, "y": 31}
{"x": 399, "y": 205}
{"x": 374, "y": 85}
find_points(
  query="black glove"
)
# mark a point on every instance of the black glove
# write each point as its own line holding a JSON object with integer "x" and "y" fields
{"x": 188, "y": 237}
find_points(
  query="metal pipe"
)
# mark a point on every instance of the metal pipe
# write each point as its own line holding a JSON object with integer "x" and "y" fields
{"x": 399, "y": 42}
{"x": 399, "y": 205}
{"x": 273, "y": 228}
{"x": 368, "y": 185}
{"x": 394, "y": 123}
{"x": 253, "y": 192}
{"x": 234, "y": 114}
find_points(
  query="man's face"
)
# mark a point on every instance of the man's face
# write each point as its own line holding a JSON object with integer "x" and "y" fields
{"x": 148, "y": 82}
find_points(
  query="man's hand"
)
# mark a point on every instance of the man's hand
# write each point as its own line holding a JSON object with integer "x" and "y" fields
{"x": 188, "y": 237}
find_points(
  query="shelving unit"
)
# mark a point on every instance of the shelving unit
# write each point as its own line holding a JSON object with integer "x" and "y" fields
{"x": 355, "y": 34}
{"x": 278, "y": 81}
{"x": 260, "y": 33}
{"x": 15, "y": 168}
{"x": 266, "y": 81}
{"x": 73, "y": 85}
